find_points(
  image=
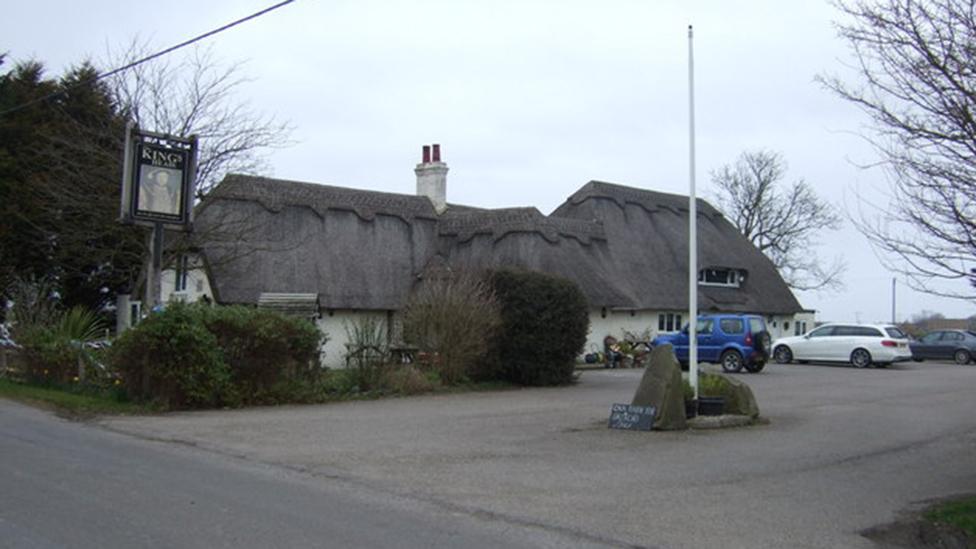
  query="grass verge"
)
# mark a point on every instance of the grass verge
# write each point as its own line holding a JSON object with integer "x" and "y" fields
{"x": 72, "y": 404}
{"x": 960, "y": 513}
{"x": 335, "y": 386}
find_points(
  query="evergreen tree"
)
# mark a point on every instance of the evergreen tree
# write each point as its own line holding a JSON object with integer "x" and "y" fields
{"x": 60, "y": 173}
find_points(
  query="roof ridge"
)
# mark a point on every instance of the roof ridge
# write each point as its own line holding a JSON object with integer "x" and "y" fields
{"x": 275, "y": 194}
{"x": 649, "y": 200}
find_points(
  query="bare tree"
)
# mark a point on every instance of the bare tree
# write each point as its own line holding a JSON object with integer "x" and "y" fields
{"x": 781, "y": 222}
{"x": 196, "y": 95}
{"x": 453, "y": 317}
{"x": 915, "y": 63}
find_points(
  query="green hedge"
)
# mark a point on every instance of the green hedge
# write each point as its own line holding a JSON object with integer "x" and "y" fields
{"x": 263, "y": 348}
{"x": 194, "y": 356}
{"x": 544, "y": 327}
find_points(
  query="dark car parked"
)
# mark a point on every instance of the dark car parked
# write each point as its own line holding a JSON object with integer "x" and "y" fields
{"x": 958, "y": 345}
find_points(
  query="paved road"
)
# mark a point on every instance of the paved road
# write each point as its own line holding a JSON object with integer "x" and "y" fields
{"x": 845, "y": 449}
{"x": 65, "y": 484}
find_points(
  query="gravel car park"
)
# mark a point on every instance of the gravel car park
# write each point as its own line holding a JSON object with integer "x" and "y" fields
{"x": 860, "y": 344}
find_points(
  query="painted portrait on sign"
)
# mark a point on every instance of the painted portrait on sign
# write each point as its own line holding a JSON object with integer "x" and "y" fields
{"x": 160, "y": 190}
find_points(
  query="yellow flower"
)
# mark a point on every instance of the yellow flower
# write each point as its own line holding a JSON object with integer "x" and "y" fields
{"x": 75, "y": 378}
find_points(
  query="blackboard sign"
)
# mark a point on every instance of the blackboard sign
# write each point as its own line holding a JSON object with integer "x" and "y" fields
{"x": 633, "y": 418}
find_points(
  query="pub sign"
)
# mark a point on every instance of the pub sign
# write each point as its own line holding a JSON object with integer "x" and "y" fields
{"x": 158, "y": 184}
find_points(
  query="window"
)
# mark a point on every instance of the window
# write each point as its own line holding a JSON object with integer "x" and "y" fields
{"x": 669, "y": 322}
{"x": 950, "y": 336}
{"x": 786, "y": 325}
{"x": 799, "y": 328}
{"x": 182, "y": 267}
{"x": 135, "y": 312}
{"x": 756, "y": 325}
{"x": 719, "y": 277}
{"x": 825, "y": 331}
{"x": 705, "y": 325}
{"x": 896, "y": 332}
{"x": 857, "y": 331}
{"x": 931, "y": 338}
{"x": 732, "y": 325}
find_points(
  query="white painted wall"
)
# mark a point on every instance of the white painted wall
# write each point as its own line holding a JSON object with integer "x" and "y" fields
{"x": 335, "y": 324}
{"x": 197, "y": 283}
{"x": 790, "y": 325}
{"x": 616, "y": 323}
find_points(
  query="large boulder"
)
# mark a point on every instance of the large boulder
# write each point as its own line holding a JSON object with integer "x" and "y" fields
{"x": 661, "y": 386}
{"x": 739, "y": 399}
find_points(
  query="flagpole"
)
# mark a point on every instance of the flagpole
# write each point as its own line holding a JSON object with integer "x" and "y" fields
{"x": 692, "y": 226}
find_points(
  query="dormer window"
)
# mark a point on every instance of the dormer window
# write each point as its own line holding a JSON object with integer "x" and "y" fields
{"x": 720, "y": 276}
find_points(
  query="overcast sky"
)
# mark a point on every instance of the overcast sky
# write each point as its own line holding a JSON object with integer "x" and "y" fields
{"x": 528, "y": 99}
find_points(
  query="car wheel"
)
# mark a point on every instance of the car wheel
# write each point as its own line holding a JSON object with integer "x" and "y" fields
{"x": 731, "y": 361}
{"x": 860, "y": 358}
{"x": 962, "y": 356}
{"x": 783, "y": 354}
{"x": 755, "y": 367}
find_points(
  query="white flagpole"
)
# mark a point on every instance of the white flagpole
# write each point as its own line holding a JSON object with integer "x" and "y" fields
{"x": 692, "y": 227}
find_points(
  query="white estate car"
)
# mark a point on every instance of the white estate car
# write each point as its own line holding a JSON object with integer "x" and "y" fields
{"x": 859, "y": 344}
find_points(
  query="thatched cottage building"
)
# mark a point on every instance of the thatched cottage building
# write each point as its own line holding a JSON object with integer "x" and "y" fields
{"x": 340, "y": 253}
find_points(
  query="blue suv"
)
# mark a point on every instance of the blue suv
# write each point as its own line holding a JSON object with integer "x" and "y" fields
{"x": 735, "y": 341}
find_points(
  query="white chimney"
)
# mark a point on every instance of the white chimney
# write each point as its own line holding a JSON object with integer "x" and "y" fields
{"x": 432, "y": 178}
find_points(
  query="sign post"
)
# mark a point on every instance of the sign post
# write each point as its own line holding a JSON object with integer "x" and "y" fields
{"x": 158, "y": 186}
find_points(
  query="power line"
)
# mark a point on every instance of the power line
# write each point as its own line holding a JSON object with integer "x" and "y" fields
{"x": 147, "y": 58}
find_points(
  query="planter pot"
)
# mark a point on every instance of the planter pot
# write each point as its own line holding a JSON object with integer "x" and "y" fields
{"x": 691, "y": 409}
{"x": 711, "y": 406}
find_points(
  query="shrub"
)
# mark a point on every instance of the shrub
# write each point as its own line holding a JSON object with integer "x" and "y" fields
{"x": 452, "y": 317}
{"x": 544, "y": 326}
{"x": 172, "y": 357}
{"x": 367, "y": 353}
{"x": 33, "y": 303}
{"x": 263, "y": 349}
{"x": 196, "y": 355}
{"x": 54, "y": 348}
{"x": 46, "y": 358}
{"x": 711, "y": 385}
{"x": 407, "y": 380}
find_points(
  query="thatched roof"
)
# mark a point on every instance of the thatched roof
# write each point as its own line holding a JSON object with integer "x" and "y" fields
{"x": 647, "y": 235}
{"x": 625, "y": 247}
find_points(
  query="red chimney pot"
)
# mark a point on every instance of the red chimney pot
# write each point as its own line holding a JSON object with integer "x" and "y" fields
{"x": 437, "y": 153}
{"x": 426, "y": 154}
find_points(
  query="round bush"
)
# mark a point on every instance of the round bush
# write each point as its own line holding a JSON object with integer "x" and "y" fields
{"x": 170, "y": 356}
{"x": 544, "y": 326}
